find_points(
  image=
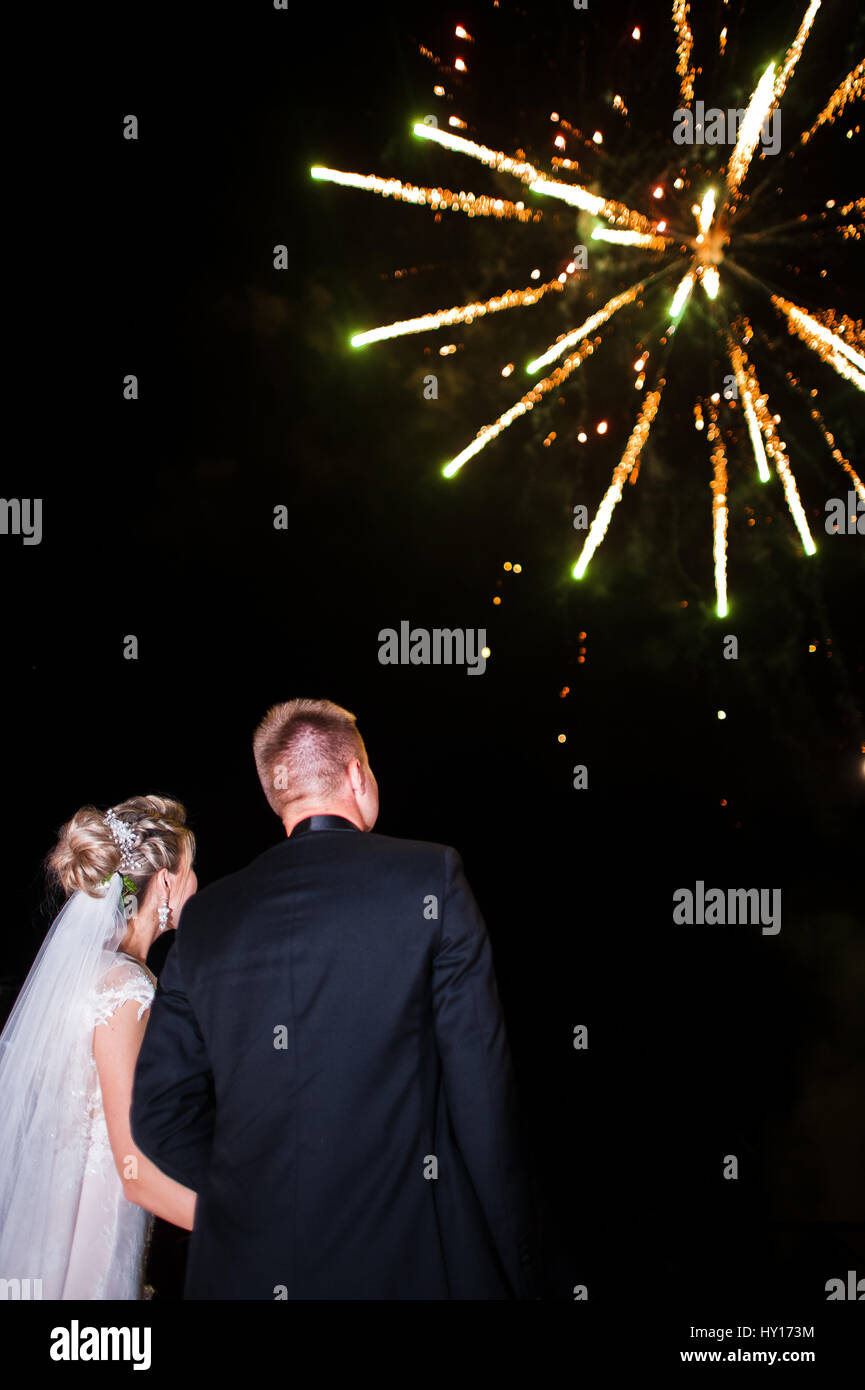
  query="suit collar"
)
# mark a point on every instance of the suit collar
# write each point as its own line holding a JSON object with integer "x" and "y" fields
{"x": 304, "y": 827}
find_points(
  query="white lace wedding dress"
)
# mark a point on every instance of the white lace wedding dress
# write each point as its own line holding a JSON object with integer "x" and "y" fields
{"x": 111, "y": 1235}
{"x": 66, "y": 1229}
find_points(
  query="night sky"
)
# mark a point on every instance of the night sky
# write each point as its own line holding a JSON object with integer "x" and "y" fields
{"x": 157, "y": 259}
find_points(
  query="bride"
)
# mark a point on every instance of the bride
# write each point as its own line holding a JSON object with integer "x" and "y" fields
{"x": 77, "y": 1198}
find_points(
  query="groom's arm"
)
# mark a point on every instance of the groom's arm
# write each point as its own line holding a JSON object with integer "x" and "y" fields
{"x": 172, "y": 1113}
{"x": 478, "y": 1078}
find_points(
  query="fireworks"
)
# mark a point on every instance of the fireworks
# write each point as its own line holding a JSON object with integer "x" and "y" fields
{"x": 837, "y": 455}
{"x": 749, "y": 392}
{"x": 527, "y": 173}
{"x": 759, "y": 106}
{"x": 795, "y": 50}
{"x": 846, "y": 360}
{"x": 777, "y": 451}
{"x": 719, "y": 511}
{"x": 684, "y": 262}
{"x": 610, "y": 308}
{"x": 684, "y": 44}
{"x": 434, "y": 198}
{"x": 655, "y": 243}
{"x": 495, "y": 159}
{"x": 851, "y": 89}
{"x": 578, "y": 197}
{"x": 463, "y": 313}
{"x": 711, "y": 281}
{"x": 526, "y": 402}
{"x": 624, "y": 468}
{"x": 680, "y": 298}
{"x": 706, "y": 212}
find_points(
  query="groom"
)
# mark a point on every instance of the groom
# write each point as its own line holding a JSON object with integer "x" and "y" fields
{"x": 326, "y": 1061}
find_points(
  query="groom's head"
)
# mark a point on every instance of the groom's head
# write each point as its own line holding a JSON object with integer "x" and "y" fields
{"x": 311, "y": 761}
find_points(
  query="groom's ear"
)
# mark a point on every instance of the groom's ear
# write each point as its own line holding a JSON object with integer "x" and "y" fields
{"x": 357, "y": 775}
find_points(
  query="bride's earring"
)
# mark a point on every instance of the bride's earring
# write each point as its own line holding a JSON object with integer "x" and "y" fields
{"x": 164, "y": 912}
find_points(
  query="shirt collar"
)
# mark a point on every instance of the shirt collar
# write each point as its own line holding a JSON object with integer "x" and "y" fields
{"x": 304, "y": 827}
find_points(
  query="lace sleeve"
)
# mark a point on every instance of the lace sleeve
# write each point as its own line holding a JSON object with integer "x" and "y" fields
{"x": 122, "y": 981}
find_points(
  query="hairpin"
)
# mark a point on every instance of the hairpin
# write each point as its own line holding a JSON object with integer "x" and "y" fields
{"x": 126, "y": 838}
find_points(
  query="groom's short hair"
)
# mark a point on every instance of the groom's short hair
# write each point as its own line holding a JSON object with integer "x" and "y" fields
{"x": 302, "y": 749}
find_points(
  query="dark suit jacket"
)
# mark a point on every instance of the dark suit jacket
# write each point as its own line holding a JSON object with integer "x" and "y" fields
{"x": 326, "y": 1065}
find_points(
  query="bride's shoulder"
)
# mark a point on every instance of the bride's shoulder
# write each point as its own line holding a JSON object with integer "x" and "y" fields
{"x": 121, "y": 979}
{"x": 118, "y": 968}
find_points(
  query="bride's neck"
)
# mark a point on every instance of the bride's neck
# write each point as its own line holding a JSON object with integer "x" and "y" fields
{"x": 137, "y": 941}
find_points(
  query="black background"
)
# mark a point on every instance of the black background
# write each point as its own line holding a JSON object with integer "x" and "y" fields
{"x": 156, "y": 257}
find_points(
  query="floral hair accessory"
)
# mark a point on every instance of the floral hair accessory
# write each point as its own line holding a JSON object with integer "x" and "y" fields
{"x": 129, "y": 897}
{"x": 126, "y": 838}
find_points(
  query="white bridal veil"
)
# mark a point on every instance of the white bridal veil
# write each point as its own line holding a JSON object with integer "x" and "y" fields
{"x": 45, "y": 1055}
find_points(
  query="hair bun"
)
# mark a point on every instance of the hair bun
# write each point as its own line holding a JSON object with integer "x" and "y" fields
{"x": 85, "y": 854}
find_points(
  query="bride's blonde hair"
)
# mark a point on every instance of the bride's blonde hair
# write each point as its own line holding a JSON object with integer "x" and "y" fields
{"x": 85, "y": 853}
